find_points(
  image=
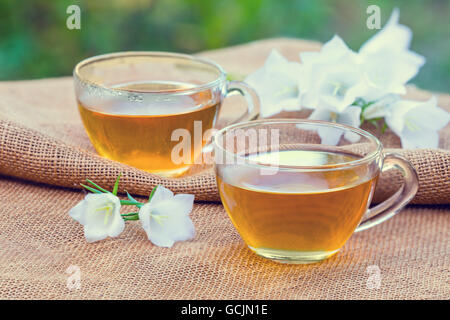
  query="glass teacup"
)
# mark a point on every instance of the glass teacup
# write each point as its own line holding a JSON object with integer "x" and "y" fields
{"x": 138, "y": 106}
{"x": 294, "y": 198}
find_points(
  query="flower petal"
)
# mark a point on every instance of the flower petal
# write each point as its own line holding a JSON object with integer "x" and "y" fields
{"x": 161, "y": 194}
{"x": 419, "y": 139}
{"x": 94, "y": 233}
{"x": 117, "y": 224}
{"x": 332, "y": 78}
{"x": 100, "y": 209}
{"x": 320, "y": 114}
{"x": 276, "y": 84}
{"x": 351, "y": 116}
{"x": 429, "y": 115}
{"x": 100, "y": 215}
{"x": 392, "y": 34}
{"x": 144, "y": 215}
{"x": 167, "y": 221}
{"x": 397, "y": 111}
{"x": 387, "y": 60}
{"x": 335, "y": 47}
{"x": 380, "y": 108}
{"x": 77, "y": 212}
{"x": 417, "y": 123}
{"x": 184, "y": 202}
{"x": 170, "y": 230}
{"x": 329, "y": 135}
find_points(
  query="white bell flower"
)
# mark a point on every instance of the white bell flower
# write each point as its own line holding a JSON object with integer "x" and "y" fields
{"x": 165, "y": 218}
{"x": 386, "y": 60}
{"x": 276, "y": 84}
{"x": 381, "y": 107}
{"x": 331, "y": 78}
{"x": 100, "y": 216}
{"x": 331, "y": 136}
{"x": 417, "y": 123}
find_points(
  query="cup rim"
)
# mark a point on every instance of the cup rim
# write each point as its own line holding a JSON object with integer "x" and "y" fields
{"x": 114, "y": 55}
{"x": 330, "y": 167}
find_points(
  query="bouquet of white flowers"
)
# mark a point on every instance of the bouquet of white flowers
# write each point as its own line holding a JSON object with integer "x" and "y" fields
{"x": 348, "y": 87}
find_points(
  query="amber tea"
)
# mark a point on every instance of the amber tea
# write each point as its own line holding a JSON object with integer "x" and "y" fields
{"x": 140, "y": 134}
{"x": 297, "y": 196}
{"x": 155, "y": 110}
{"x": 308, "y": 212}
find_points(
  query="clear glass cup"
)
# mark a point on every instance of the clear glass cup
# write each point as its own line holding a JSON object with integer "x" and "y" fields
{"x": 137, "y": 107}
{"x": 295, "y": 198}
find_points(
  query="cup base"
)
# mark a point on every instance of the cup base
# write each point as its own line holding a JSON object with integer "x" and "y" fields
{"x": 293, "y": 257}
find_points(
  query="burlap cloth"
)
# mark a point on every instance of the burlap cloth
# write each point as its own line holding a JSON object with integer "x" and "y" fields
{"x": 43, "y": 141}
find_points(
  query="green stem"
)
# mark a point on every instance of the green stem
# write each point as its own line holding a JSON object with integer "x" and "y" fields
{"x": 130, "y": 203}
{"x": 129, "y": 214}
{"x": 90, "y": 189}
{"x": 137, "y": 203}
{"x": 116, "y": 185}
{"x": 97, "y": 186}
{"x": 128, "y": 218}
{"x": 152, "y": 193}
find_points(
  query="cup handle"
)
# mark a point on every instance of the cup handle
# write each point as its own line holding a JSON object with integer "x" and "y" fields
{"x": 250, "y": 96}
{"x": 253, "y": 106}
{"x": 391, "y": 206}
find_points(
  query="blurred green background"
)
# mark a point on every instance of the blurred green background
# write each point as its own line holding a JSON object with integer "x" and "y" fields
{"x": 35, "y": 42}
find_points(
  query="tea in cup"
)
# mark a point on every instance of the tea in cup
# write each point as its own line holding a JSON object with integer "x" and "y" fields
{"x": 297, "y": 199}
{"x": 134, "y": 104}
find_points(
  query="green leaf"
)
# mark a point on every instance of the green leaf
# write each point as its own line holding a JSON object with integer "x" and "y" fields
{"x": 130, "y": 203}
{"x": 138, "y": 204}
{"x": 97, "y": 186}
{"x": 135, "y": 217}
{"x": 130, "y": 197}
{"x": 90, "y": 189}
{"x": 383, "y": 129}
{"x": 116, "y": 185}
{"x": 129, "y": 214}
{"x": 152, "y": 193}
